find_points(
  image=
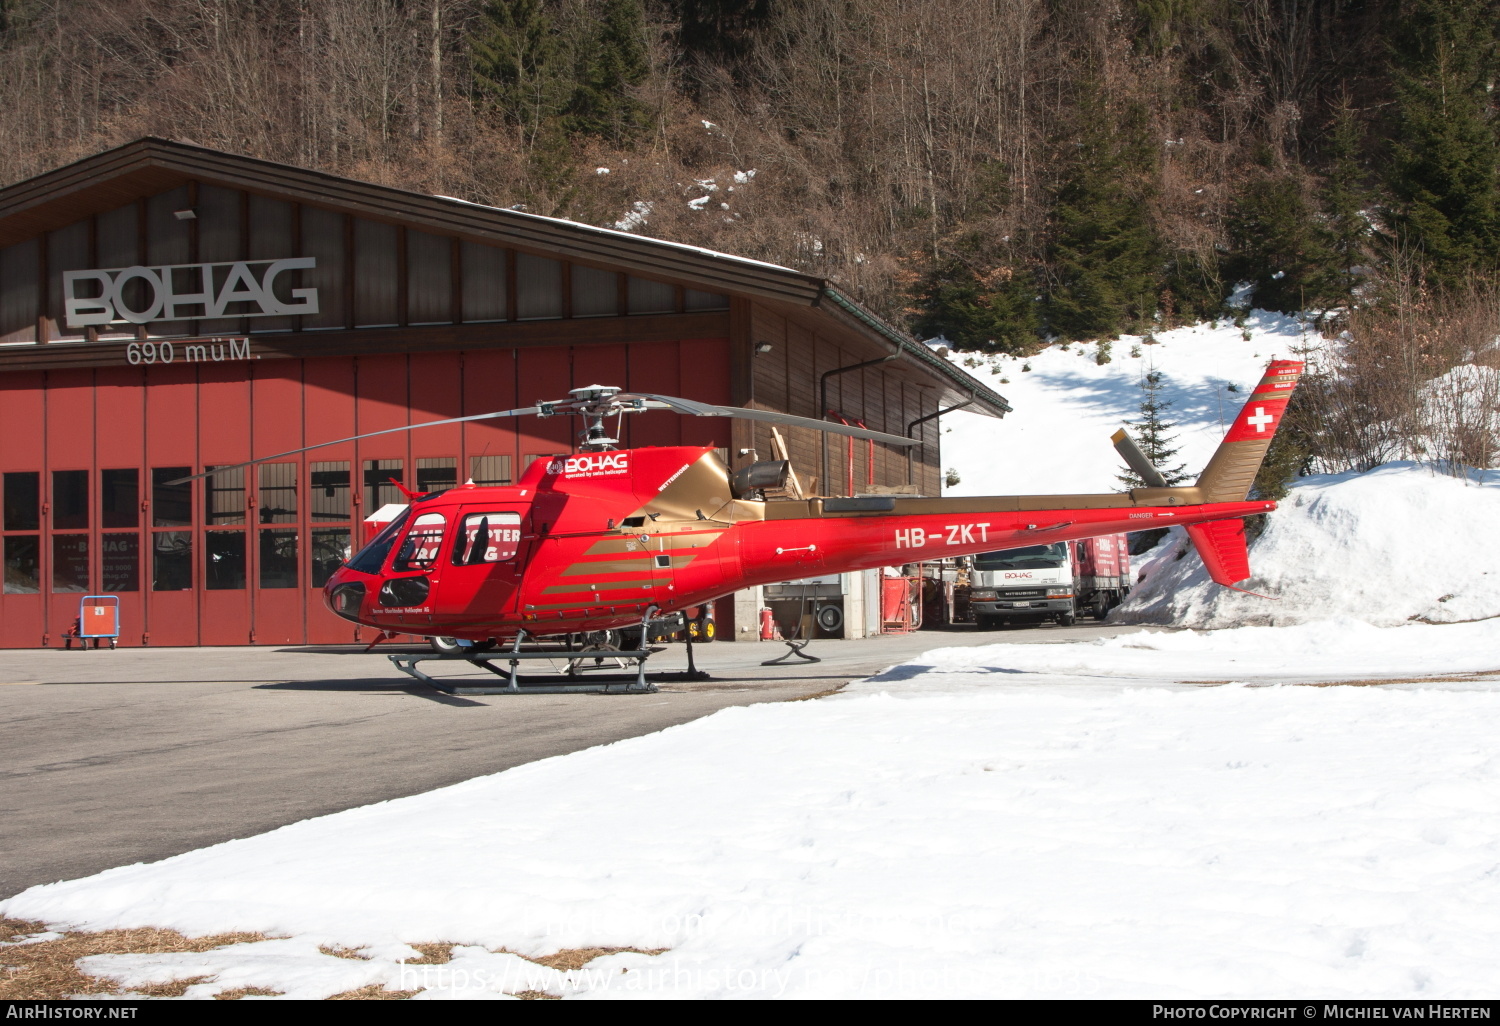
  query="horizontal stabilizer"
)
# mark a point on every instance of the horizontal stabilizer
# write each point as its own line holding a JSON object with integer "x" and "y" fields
{"x": 1222, "y": 545}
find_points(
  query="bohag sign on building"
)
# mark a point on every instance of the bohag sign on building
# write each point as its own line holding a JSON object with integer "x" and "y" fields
{"x": 140, "y": 295}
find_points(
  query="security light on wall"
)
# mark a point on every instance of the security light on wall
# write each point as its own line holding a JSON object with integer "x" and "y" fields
{"x": 763, "y": 347}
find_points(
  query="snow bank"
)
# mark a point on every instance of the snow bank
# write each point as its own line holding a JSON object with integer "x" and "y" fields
{"x": 1003, "y": 842}
{"x": 1397, "y": 544}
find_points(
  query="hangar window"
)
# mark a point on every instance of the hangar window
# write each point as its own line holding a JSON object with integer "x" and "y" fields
{"x": 225, "y": 496}
{"x": 379, "y": 489}
{"x": 119, "y": 497}
{"x": 172, "y": 561}
{"x": 693, "y": 300}
{"x": 278, "y": 493}
{"x": 168, "y": 243}
{"x": 224, "y": 560}
{"x": 489, "y": 470}
{"x": 171, "y": 504}
{"x": 483, "y": 283}
{"x": 596, "y": 293}
{"x": 323, "y": 240}
{"x": 119, "y": 562}
{"x": 118, "y": 235}
{"x": 278, "y": 558}
{"x": 70, "y": 562}
{"x": 647, "y": 297}
{"x": 23, "y": 566}
{"x": 538, "y": 287}
{"x": 23, "y": 501}
{"x": 329, "y": 499}
{"x": 435, "y": 474}
{"x": 67, "y": 250}
{"x": 70, "y": 499}
{"x": 374, "y": 274}
{"x": 18, "y": 288}
{"x": 272, "y": 231}
{"x": 429, "y": 278}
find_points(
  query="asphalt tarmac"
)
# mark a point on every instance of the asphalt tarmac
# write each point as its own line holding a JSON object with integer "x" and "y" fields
{"x": 114, "y": 757}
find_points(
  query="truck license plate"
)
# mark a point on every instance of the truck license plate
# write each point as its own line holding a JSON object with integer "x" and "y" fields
{"x": 1018, "y": 605}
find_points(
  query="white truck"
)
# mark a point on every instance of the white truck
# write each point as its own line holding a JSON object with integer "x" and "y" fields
{"x": 1049, "y": 582}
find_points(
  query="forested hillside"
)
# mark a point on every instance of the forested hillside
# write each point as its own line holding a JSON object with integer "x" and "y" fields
{"x": 997, "y": 170}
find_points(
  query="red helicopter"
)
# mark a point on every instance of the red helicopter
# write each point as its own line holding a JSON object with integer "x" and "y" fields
{"x": 607, "y": 538}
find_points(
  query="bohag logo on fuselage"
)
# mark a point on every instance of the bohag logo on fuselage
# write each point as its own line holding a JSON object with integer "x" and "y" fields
{"x": 594, "y": 464}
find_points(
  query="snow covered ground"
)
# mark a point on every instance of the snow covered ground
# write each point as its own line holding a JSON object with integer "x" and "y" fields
{"x": 1012, "y": 820}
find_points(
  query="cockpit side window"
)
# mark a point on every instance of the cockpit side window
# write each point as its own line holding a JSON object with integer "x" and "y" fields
{"x": 423, "y": 543}
{"x": 491, "y": 537}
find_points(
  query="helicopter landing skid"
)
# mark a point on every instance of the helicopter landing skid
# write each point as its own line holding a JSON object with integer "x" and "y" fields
{"x": 577, "y": 663}
{"x": 620, "y": 683}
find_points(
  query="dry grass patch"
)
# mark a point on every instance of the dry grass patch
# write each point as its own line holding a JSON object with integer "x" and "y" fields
{"x": 535, "y": 995}
{"x": 571, "y": 959}
{"x": 432, "y": 954}
{"x": 244, "y": 992}
{"x": 172, "y": 988}
{"x": 373, "y": 992}
{"x": 47, "y": 969}
{"x": 342, "y": 952}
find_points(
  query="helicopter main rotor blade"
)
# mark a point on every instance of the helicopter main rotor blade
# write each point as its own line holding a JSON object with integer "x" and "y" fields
{"x": 354, "y": 438}
{"x": 698, "y": 409}
{"x": 1137, "y": 461}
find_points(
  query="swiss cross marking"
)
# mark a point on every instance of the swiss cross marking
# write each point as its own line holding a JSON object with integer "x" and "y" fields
{"x": 1261, "y": 419}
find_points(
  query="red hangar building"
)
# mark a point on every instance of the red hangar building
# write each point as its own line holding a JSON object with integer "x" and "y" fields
{"x": 166, "y": 308}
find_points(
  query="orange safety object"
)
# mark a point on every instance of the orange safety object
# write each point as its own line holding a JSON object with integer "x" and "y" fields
{"x": 98, "y": 616}
{"x": 896, "y": 595}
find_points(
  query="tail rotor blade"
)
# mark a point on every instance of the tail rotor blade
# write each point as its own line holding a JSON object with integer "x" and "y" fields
{"x": 354, "y": 438}
{"x": 1137, "y": 461}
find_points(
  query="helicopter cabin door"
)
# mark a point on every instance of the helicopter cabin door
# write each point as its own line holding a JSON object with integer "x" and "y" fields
{"x": 481, "y": 573}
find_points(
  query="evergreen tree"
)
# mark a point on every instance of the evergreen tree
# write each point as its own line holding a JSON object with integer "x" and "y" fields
{"x": 1443, "y": 172}
{"x": 716, "y": 35}
{"x": 519, "y": 64}
{"x": 994, "y": 313}
{"x": 1279, "y": 246}
{"x": 609, "y": 64}
{"x": 1152, "y": 433}
{"x": 1105, "y": 260}
{"x": 1345, "y": 200}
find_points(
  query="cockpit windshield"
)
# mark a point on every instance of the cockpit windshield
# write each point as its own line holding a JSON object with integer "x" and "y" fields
{"x": 1031, "y": 557}
{"x": 369, "y": 559}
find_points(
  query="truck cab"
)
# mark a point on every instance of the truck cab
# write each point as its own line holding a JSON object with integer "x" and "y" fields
{"x": 1031, "y": 583}
{"x": 1050, "y": 582}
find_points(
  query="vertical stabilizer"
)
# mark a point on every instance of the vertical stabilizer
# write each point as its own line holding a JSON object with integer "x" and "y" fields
{"x": 1231, "y": 472}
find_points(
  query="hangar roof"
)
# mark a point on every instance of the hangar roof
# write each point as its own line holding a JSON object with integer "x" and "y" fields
{"x": 151, "y": 165}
